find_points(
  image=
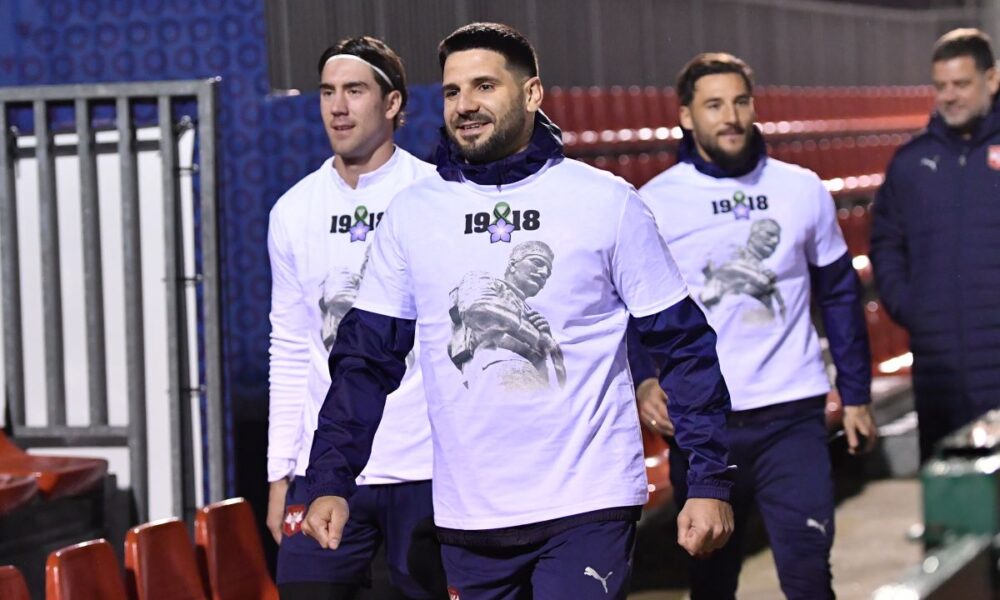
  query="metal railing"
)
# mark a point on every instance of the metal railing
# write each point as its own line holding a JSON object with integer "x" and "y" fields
{"x": 43, "y": 101}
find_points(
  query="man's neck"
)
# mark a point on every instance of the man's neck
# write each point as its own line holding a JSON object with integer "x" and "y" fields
{"x": 352, "y": 168}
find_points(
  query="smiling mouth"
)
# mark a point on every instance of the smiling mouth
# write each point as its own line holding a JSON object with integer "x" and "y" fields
{"x": 342, "y": 127}
{"x": 472, "y": 127}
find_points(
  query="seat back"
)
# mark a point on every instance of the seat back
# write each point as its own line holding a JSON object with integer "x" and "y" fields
{"x": 160, "y": 562}
{"x": 12, "y": 585}
{"x": 87, "y": 571}
{"x": 229, "y": 546}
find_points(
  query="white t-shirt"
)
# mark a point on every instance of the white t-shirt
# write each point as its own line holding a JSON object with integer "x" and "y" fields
{"x": 745, "y": 245}
{"x": 521, "y": 296}
{"x": 319, "y": 237}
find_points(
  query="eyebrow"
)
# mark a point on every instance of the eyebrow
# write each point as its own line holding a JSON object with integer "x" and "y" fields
{"x": 720, "y": 98}
{"x": 475, "y": 82}
{"x": 348, "y": 84}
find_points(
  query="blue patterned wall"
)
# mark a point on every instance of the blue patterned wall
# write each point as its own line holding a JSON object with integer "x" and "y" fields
{"x": 266, "y": 143}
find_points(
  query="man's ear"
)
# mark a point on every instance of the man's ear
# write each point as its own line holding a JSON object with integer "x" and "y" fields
{"x": 992, "y": 80}
{"x": 685, "y": 117}
{"x": 533, "y": 94}
{"x": 393, "y": 104}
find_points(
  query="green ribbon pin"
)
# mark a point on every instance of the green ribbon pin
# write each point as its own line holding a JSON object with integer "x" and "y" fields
{"x": 361, "y": 213}
{"x": 501, "y": 211}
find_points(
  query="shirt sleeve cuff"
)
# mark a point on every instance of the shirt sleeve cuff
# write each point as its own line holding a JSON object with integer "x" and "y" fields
{"x": 279, "y": 468}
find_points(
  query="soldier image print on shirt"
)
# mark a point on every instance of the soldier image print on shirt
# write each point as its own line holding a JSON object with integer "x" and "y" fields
{"x": 339, "y": 290}
{"x": 497, "y": 335}
{"x": 744, "y": 273}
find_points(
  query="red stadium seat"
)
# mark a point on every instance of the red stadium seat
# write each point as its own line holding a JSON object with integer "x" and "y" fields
{"x": 160, "y": 563}
{"x": 57, "y": 476}
{"x": 628, "y": 168}
{"x": 577, "y": 117}
{"x": 657, "y": 455}
{"x": 87, "y": 571}
{"x": 12, "y": 585}
{"x": 230, "y": 548}
{"x": 598, "y": 109}
{"x": 888, "y": 340}
{"x": 15, "y": 492}
{"x": 556, "y": 106}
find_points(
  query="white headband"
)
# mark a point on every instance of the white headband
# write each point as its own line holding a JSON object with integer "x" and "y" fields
{"x": 380, "y": 72}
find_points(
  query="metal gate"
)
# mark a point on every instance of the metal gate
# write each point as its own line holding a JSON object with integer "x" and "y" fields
{"x": 85, "y": 112}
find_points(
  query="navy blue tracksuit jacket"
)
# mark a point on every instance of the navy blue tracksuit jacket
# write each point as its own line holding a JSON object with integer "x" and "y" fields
{"x": 936, "y": 256}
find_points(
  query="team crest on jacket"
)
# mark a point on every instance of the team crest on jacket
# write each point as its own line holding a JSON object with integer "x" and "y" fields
{"x": 292, "y": 522}
{"x": 993, "y": 157}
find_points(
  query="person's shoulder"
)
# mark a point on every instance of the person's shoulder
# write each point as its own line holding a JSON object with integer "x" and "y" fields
{"x": 418, "y": 169}
{"x": 574, "y": 177}
{"x": 680, "y": 174}
{"x": 303, "y": 191}
{"x": 791, "y": 172}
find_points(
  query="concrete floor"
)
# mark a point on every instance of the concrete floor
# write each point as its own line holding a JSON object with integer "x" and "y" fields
{"x": 870, "y": 548}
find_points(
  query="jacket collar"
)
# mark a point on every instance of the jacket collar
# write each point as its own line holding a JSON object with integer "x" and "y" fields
{"x": 687, "y": 152}
{"x": 987, "y": 127}
{"x": 546, "y": 144}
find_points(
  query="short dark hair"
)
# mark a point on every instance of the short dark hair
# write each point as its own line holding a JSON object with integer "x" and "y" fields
{"x": 965, "y": 42}
{"x": 710, "y": 63}
{"x": 375, "y": 52}
{"x": 497, "y": 37}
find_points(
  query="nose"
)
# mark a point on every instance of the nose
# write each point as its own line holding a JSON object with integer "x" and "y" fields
{"x": 729, "y": 113}
{"x": 946, "y": 94}
{"x": 338, "y": 104}
{"x": 466, "y": 104}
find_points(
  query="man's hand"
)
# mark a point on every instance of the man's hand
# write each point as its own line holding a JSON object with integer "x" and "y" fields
{"x": 652, "y": 402}
{"x": 276, "y": 507}
{"x": 704, "y": 526}
{"x": 859, "y": 421}
{"x": 325, "y": 520}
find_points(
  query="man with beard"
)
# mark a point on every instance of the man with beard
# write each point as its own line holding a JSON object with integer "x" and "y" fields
{"x": 537, "y": 490}
{"x": 319, "y": 234}
{"x": 726, "y": 188}
{"x": 936, "y": 241}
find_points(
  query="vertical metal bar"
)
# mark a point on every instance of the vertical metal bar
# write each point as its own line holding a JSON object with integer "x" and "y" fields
{"x": 13, "y": 348}
{"x": 182, "y": 466}
{"x": 134, "y": 331}
{"x": 55, "y": 378}
{"x": 216, "y": 426}
{"x": 93, "y": 280}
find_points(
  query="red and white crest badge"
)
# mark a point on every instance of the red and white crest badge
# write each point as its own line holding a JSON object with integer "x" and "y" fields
{"x": 453, "y": 594}
{"x": 993, "y": 157}
{"x": 292, "y": 523}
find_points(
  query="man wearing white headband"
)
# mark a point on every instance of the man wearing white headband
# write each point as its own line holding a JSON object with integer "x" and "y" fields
{"x": 318, "y": 240}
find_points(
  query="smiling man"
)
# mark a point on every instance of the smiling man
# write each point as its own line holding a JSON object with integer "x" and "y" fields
{"x": 319, "y": 237}
{"x": 757, "y": 239}
{"x": 936, "y": 241}
{"x": 519, "y": 269}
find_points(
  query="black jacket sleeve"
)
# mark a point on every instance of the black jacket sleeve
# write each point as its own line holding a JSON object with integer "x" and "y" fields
{"x": 890, "y": 260}
{"x": 367, "y": 362}
{"x": 681, "y": 340}
{"x": 837, "y": 291}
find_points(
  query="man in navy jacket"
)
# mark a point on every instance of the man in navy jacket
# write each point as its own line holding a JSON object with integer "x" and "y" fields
{"x": 936, "y": 241}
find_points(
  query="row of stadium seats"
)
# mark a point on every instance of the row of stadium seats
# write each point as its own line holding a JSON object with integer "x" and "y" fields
{"x": 25, "y": 477}
{"x": 579, "y": 109}
{"x": 850, "y": 164}
{"x": 225, "y": 563}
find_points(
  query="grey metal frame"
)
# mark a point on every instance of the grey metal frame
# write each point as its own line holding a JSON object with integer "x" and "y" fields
{"x": 99, "y": 433}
